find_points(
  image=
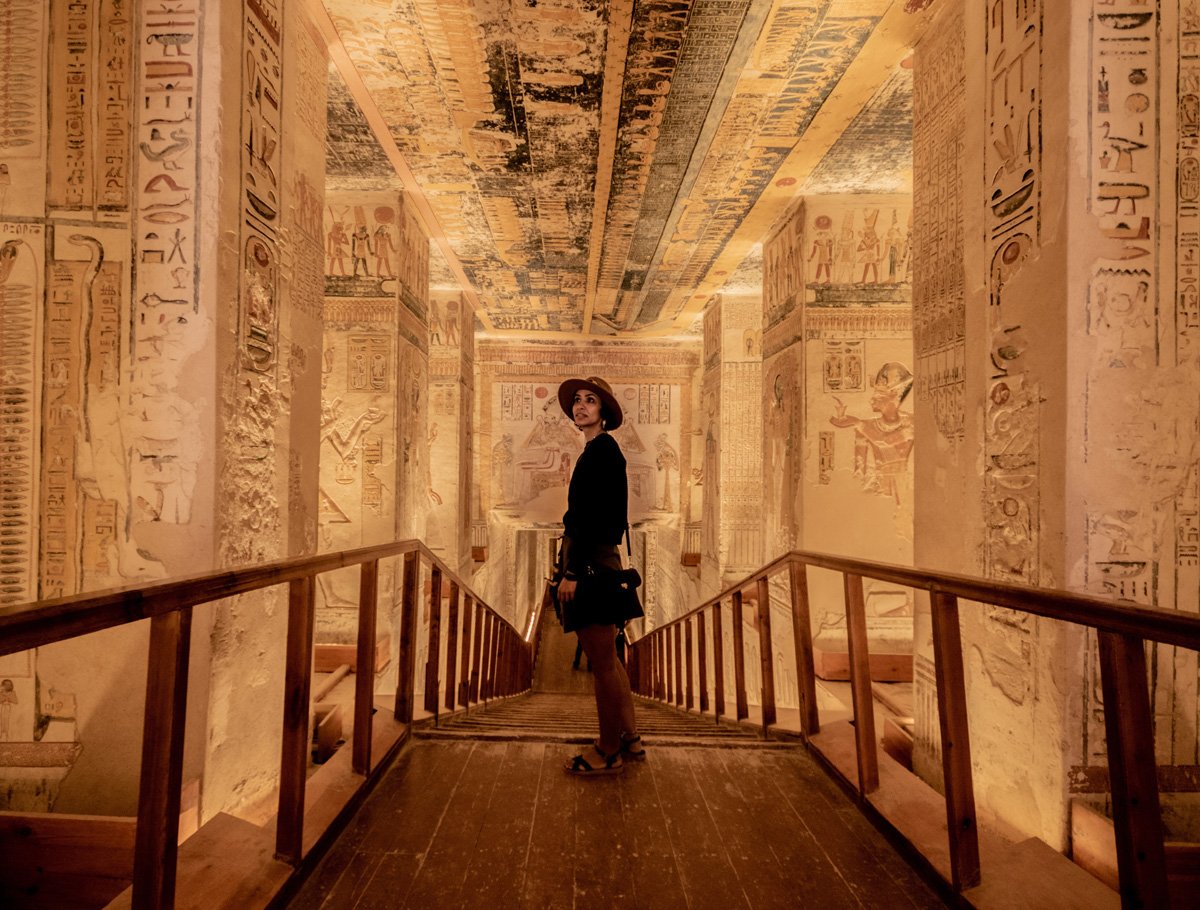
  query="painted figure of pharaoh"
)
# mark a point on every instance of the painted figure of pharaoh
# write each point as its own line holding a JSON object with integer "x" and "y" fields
{"x": 882, "y": 444}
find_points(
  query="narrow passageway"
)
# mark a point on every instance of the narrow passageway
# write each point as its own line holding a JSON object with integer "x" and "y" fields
{"x": 478, "y": 813}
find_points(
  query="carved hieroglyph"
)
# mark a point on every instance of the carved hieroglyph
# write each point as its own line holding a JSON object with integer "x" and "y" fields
{"x": 939, "y": 304}
{"x": 1012, "y": 184}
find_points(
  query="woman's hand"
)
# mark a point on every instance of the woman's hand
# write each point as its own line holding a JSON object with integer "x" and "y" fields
{"x": 566, "y": 590}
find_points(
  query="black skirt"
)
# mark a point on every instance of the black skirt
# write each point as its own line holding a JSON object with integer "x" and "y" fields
{"x": 599, "y": 605}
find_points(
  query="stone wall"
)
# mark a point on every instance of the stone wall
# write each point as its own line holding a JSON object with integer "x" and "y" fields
{"x": 154, "y": 338}
{"x": 1056, "y": 322}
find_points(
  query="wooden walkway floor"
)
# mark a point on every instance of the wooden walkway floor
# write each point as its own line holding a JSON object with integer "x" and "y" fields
{"x": 493, "y": 822}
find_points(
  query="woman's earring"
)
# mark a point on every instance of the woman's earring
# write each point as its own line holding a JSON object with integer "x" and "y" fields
{"x": 603, "y": 424}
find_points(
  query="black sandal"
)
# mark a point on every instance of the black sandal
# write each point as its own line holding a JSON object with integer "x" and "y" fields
{"x": 631, "y": 747}
{"x": 581, "y": 767}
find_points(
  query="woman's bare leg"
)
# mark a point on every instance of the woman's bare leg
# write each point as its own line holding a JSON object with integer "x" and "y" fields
{"x": 614, "y": 703}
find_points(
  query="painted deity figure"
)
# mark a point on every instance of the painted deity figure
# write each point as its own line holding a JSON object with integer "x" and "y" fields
{"x": 360, "y": 249}
{"x": 8, "y": 698}
{"x": 868, "y": 250}
{"x": 882, "y": 444}
{"x": 335, "y": 248}
{"x": 384, "y": 247}
{"x": 822, "y": 250}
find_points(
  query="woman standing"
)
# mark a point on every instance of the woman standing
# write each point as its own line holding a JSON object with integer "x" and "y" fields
{"x": 593, "y": 525}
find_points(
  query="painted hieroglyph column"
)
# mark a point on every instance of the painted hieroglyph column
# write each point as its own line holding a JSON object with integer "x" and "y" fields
{"x": 451, "y": 423}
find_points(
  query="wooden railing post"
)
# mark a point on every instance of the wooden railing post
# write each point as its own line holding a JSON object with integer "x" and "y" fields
{"x": 503, "y": 650}
{"x": 494, "y": 675}
{"x": 297, "y": 738}
{"x": 477, "y": 656}
{"x": 739, "y": 658}
{"x": 433, "y": 663}
{"x": 452, "y": 647}
{"x": 162, "y": 761}
{"x": 701, "y": 661}
{"x": 364, "y": 675}
{"x": 678, "y": 664}
{"x": 464, "y": 685}
{"x": 806, "y": 678}
{"x": 766, "y": 651}
{"x": 1132, "y": 771}
{"x": 408, "y": 638}
{"x": 487, "y": 681}
{"x": 961, "y": 823}
{"x": 687, "y": 644}
{"x": 718, "y": 664}
{"x": 660, "y": 691}
{"x": 860, "y": 685}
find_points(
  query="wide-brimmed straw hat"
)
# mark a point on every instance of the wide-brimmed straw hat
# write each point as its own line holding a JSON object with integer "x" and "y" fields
{"x": 608, "y": 402}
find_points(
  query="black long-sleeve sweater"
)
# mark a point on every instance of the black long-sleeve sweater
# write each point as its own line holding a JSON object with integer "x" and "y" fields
{"x": 597, "y": 501}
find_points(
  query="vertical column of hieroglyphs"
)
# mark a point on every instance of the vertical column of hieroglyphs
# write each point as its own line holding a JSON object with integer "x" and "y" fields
{"x": 939, "y": 299}
{"x": 85, "y": 471}
{"x": 1012, "y": 213}
{"x": 23, "y": 36}
{"x": 1127, "y": 451}
{"x": 710, "y": 428}
{"x": 165, "y": 323}
{"x": 939, "y": 303}
{"x": 256, "y": 409}
{"x": 783, "y": 382}
{"x": 302, "y": 285}
{"x": 1187, "y": 338}
{"x": 413, "y": 376}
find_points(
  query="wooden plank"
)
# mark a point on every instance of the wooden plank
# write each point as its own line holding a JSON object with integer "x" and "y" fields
{"x": 664, "y": 672}
{"x": 739, "y": 658}
{"x": 434, "y": 651}
{"x": 718, "y": 664}
{"x": 806, "y": 683}
{"x": 860, "y": 685}
{"x": 66, "y": 862}
{"x": 327, "y": 657}
{"x": 766, "y": 650}
{"x": 961, "y": 823}
{"x": 702, "y": 661}
{"x": 227, "y": 864}
{"x": 491, "y": 876}
{"x": 548, "y": 883}
{"x": 364, "y": 677}
{"x": 700, "y": 855}
{"x": 439, "y": 854}
{"x": 1129, "y": 728}
{"x": 834, "y": 831}
{"x": 164, "y": 722}
{"x": 452, "y": 647}
{"x": 768, "y": 845}
{"x": 293, "y": 761}
{"x": 408, "y": 639}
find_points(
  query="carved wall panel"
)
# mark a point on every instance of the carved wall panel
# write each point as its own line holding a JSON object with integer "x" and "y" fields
{"x": 23, "y": 127}
{"x": 1012, "y": 175}
{"x": 22, "y": 271}
{"x": 939, "y": 304}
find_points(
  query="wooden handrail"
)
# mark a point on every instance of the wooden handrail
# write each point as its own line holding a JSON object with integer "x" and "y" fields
{"x": 169, "y": 604}
{"x": 1123, "y": 631}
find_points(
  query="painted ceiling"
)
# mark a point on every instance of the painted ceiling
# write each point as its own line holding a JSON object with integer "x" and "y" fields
{"x": 602, "y": 167}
